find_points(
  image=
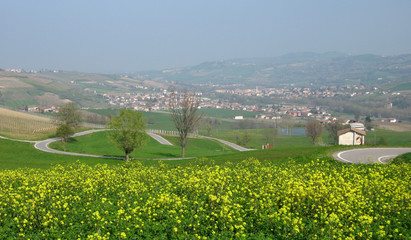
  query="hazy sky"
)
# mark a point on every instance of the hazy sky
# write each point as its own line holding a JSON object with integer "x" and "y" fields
{"x": 125, "y": 36}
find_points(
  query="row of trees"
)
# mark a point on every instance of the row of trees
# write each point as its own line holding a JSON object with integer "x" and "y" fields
{"x": 128, "y": 130}
{"x": 314, "y": 129}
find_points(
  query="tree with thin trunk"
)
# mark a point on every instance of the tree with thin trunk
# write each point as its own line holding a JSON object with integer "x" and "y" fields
{"x": 184, "y": 115}
{"x": 246, "y": 138}
{"x": 208, "y": 127}
{"x": 128, "y": 131}
{"x": 269, "y": 135}
{"x": 67, "y": 119}
{"x": 64, "y": 131}
{"x": 68, "y": 114}
{"x": 314, "y": 130}
{"x": 333, "y": 129}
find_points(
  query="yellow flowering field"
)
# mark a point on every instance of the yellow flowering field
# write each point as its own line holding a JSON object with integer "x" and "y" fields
{"x": 320, "y": 199}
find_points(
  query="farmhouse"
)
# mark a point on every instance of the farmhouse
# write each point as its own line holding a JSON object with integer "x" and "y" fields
{"x": 390, "y": 120}
{"x": 351, "y": 136}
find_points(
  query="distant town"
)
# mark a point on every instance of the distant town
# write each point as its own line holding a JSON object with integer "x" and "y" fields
{"x": 148, "y": 98}
{"x": 158, "y": 100}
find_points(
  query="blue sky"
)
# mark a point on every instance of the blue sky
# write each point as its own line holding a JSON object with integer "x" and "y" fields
{"x": 126, "y": 36}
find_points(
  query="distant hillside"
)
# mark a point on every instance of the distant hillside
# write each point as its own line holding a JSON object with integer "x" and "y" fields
{"x": 52, "y": 88}
{"x": 300, "y": 69}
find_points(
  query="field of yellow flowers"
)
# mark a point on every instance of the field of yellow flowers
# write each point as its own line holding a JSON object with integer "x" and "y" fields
{"x": 250, "y": 200}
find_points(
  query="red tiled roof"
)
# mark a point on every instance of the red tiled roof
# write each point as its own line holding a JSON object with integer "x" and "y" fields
{"x": 350, "y": 129}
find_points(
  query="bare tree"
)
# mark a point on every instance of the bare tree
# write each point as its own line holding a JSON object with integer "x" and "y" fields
{"x": 184, "y": 115}
{"x": 269, "y": 135}
{"x": 314, "y": 130}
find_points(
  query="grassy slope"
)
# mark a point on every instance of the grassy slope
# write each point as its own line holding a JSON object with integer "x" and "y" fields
{"x": 226, "y": 113}
{"x": 19, "y": 154}
{"x": 98, "y": 143}
{"x": 22, "y": 125}
{"x": 257, "y": 138}
{"x": 393, "y": 138}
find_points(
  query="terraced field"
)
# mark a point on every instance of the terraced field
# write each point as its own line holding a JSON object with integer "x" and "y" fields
{"x": 21, "y": 125}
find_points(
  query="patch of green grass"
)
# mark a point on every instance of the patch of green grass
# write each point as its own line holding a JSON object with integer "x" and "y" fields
{"x": 105, "y": 112}
{"x": 257, "y": 138}
{"x": 155, "y": 120}
{"x": 276, "y": 155}
{"x": 393, "y": 138}
{"x": 15, "y": 155}
{"x": 226, "y": 113}
{"x": 99, "y": 144}
{"x": 402, "y": 87}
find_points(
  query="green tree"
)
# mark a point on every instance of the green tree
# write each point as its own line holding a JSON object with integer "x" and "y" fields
{"x": 246, "y": 138}
{"x": 314, "y": 130}
{"x": 368, "y": 123}
{"x": 64, "y": 131}
{"x": 128, "y": 131}
{"x": 333, "y": 129}
{"x": 208, "y": 127}
{"x": 68, "y": 114}
{"x": 383, "y": 141}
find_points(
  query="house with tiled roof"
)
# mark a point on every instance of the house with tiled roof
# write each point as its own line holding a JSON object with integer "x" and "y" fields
{"x": 351, "y": 136}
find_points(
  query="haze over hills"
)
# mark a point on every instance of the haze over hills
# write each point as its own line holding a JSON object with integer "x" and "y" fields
{"x": 18, "y": 89}
{"x": 299, "y": 69}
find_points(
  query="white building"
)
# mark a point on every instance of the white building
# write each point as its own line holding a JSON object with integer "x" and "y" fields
{"x": 351, "y": 136}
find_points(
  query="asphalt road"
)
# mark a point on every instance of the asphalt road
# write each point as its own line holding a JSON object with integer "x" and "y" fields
{"x": 369, "y": 155}
{"x": 235, "y": 146}
{"x": 159, "y": 139}
{"x": 44, "y": 145}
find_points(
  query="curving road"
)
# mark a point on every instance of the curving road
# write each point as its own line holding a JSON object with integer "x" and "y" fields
{"x": 44, "y": 145}
{"x": 230, "y": 144}
{"x": 159, "y": 139}
{"x": 369, "y": 155}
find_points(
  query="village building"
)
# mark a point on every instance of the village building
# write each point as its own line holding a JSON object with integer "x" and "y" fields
{"x": 351, "y": 136}
{"x": 390, "y": 120}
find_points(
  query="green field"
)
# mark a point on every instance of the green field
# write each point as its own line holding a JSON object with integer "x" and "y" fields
{"x": 98, "y": 143}
{"x": 162, "y": 120}
{"x": 23, "y": 155}
{"x": 393, "y": 138}
{"x": 226, "y": 113}
{"x": 402, "y": 87}
{"x": 257, "y": 138}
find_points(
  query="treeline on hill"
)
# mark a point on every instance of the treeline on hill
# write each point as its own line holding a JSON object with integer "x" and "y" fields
{"x": 298, "y": 68}
{"x": 372, "y": 107}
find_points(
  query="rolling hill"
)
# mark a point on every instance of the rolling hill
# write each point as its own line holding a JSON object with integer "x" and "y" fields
{"x": 18, "y": 90}
{"x": 299, "y": 69}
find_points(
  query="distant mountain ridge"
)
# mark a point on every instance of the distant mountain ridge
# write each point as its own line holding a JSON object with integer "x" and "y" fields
{"x": 299, "y": 69}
